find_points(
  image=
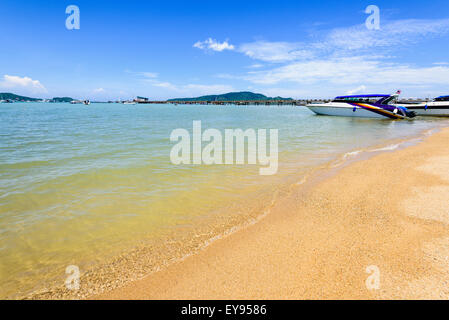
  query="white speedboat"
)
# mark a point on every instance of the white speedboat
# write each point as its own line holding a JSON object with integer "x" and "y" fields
{"x": 438, "y": 107}
{"x": 363, "y": 106}
{"x": 86, "y": 102}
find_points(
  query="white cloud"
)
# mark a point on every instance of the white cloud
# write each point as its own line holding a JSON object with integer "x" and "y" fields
{"x": 359, "y": 89}
{"x": 347, "y": 41}
{"x": 346, "y": 58}
{"x": 339, "y": 60}
{"x": 151, "y": 75}
{"x": 226, "y": 76}
{"x": 99, "y": 90}
{"x": 193, "y": 89}
{"x": 184, "y": 89}
{"x": 145, "y": 74}
{"x": 212, "y": 44}
{"x": 350, "y": 71}
{"x": 16, "y": 82}
{"x": 275, "y": 51}
{"x": 152, "y": 78}
{"x": 255, "y": 66}
{"x": 396, "y": 33}
{"x": 295, "y": 92}
{"x": 208, "y": 89}
{"x": 165, "y": 85}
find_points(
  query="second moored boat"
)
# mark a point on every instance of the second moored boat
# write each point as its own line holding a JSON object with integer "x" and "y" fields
{"x": 438, "y": 107}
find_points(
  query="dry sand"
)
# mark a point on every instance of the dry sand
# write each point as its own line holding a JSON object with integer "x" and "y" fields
{"x": 389, "y": 211}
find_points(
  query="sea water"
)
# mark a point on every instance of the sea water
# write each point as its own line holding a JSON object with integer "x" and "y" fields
{"x": 83, "y": 185}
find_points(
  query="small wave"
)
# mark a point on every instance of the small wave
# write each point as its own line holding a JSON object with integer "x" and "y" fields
{"x": 387, "y": 148}
{"x": 345, "y": 157}
{"x": 410, "y": 141}
{"x": 430, "y": 132}
{"x": 351, "y": 154}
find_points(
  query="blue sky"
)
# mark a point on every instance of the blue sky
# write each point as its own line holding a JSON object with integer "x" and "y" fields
{"x": 168, "y": 49}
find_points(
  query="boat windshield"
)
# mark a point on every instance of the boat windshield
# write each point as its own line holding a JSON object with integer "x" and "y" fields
{"x": 367, "y": 99}
{"x": 390, "y": 100}
{"x": 445, "y": 98}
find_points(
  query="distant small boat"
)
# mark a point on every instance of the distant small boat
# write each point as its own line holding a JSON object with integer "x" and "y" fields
{"x": 86, "y": 102}
{"x": 129, "y": 102}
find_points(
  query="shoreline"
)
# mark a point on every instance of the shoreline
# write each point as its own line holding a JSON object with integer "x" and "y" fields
{"x": 144, "y": 260}
{"x": 243, "y": 264}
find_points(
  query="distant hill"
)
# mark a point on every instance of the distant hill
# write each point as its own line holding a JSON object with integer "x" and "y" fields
{"x": 232, "y": 96}
{"x": 63, "y": 99}
{"x": 15, "y": 97}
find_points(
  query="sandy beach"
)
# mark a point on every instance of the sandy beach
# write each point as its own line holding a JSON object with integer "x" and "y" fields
{"x": 389, "y": 211}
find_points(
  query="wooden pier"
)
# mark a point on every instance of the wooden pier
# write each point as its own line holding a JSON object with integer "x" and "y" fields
{"x": 238, "y": 103}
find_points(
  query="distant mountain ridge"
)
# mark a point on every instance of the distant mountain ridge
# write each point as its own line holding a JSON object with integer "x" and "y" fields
{"x": 15, "y": 97}
{"x": 62, "y": 99}
{"x": 232, "y": 96}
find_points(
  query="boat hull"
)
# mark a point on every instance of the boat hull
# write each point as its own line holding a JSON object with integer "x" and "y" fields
{"x": 432, "y": 110}
{"x": 344, "y": 111}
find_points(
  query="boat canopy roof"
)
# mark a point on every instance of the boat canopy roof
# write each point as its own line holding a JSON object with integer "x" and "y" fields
{"x": 442, "y": 98}
{"x": 371, "y": 98}
{"x": 364, "y": 96}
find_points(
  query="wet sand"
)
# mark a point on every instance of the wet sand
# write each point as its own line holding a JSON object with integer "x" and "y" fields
{"x": 389, "y": 211}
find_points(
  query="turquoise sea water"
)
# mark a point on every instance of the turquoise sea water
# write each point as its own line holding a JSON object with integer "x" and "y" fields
{"x": 82, "y": 184}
